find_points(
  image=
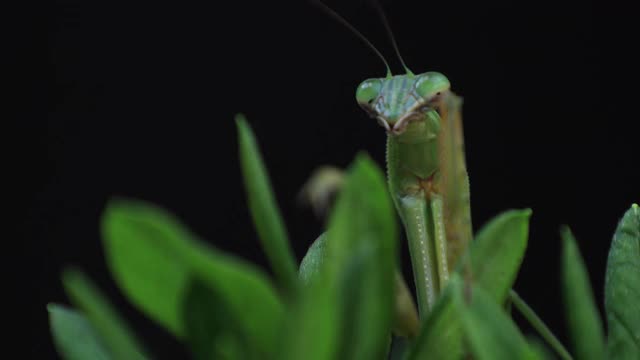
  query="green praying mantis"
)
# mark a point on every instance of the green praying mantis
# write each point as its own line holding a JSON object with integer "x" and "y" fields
{"x": 426, "y": 169}
{"x": 427, "y": 177}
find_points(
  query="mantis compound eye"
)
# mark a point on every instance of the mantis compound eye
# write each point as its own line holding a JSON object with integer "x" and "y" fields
{"x": 368, "y": 91}
{"x": 431, "y": 84}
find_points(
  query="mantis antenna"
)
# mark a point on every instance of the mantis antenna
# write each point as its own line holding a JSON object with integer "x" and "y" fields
{"x": 344, "y": 22}
{"x": 376, "y": 4}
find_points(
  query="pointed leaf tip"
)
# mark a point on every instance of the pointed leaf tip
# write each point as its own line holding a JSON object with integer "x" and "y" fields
{"x": 264, "y": 209}
{"x": 363, "y": 157}
{"x": 103, "y": 317}
{"x": 498, "y": 250}
{"x": 240, "y": 118}
{"x": 583, "y": 320}
{"x": 526, "y": 212}
{"x": 73, "y": 336}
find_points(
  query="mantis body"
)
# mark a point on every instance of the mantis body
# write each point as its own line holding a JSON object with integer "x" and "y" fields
{"x": 425, "y": 164}
{"x": 427, "y": 175}
{"x": 426, "y": 171}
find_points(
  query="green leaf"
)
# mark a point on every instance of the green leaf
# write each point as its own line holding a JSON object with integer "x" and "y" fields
{"x": 73, "y": 336}
{"x": 211, "y": 330}
{"x": 264, "y": 209}
{"x": 153, "y": 258}
{"x": 497, "y": 252}
{"x": 313, "y": 260}
{"x": 441, "y": 333}
{"x": 310, "y": 332}
{"x": 312, "y": 326}
{"x": 362, "y": 246}
{"x": 622, "y": 288}
{"x": 406, "y": 322}
{"x": 539, "y": 350}
{"x": 346, "y": 312}
{"x": 584, "y": 324}
{"x": 490, "y": 332}
{"x": 115, "y": 333}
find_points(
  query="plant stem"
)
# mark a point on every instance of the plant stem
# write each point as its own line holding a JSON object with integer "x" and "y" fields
{"x": 539, "y": 325}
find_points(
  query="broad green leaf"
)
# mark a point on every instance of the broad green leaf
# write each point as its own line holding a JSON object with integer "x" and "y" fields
{"x": 211, "y": 330}
{"x": 313, "y": 260}
{"x": 489, "y": 331}
{"x": 264, "y": 209}
{"x": 406, "y": 322}
{"x": 497, "y": 252}
{"x": 311, "y": 327}
{"x": 153, "y": 258}
{"x": 346, "y": 312}
{"x": 313, "y": 324}
{"x": 441, "y": 334}
{"x": 73, "y": 336}
{"x": 362, "y": 246}
{"x": 584, "y": 324}
{"x": 622, "y": 288}
{"x": 114, "y": 332}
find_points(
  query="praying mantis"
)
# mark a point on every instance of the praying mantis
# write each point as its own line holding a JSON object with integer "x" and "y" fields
{"x": 426, "y": 169}
{"x": 429, "y": 185}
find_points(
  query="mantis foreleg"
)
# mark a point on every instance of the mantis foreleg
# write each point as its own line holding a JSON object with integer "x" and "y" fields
{"x": 439, "y": 231}
{"x": 423, "y": 219}
{"x": 414, "y": 213}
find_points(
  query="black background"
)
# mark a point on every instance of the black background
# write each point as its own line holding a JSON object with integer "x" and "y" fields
{"x": 137, "y": 99}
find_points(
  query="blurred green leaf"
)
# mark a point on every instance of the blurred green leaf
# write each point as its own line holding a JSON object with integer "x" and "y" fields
{"x": 490, "y": 332}
{"x": 153, "y": 258}
{"x": 539, "y": 351}
{"x": 312, "y": 330}
{"x": 264, "y": 209}
{"x": 211, "y": 330}
{"x": 313, "y": 260}
{"x": 441, "y": 333}
{"x": 73, "y": 336}
{"x": 346, "y": 312}
{"x": 362, "y": 246}
{"x": 406, "y": 323}
{"x": 497, "y": 252}
{"x": 622, "y": 288}
{"x": 114, "y": 332}
{"x": 584, "y": 324}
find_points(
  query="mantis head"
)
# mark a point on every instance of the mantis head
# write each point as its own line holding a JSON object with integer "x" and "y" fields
{"x": 395, "y": 101}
